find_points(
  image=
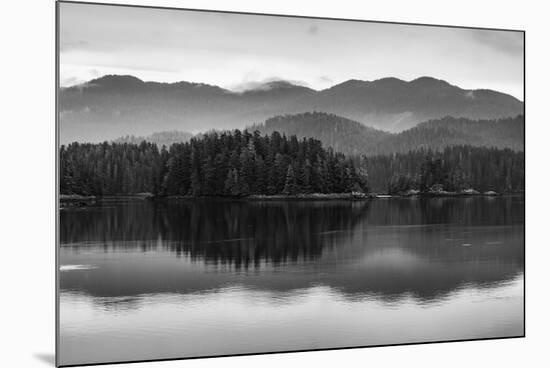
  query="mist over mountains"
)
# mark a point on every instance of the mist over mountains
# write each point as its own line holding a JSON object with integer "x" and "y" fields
{"x": 115, "y": 106}
{"x": 165, "y": 138}
{"x": 353, "y": 138}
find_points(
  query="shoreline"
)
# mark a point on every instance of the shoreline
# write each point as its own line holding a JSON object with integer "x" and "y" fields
{"x": 80, "y": 200}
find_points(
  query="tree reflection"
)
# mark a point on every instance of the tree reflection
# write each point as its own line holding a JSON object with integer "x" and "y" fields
{"x": 425, "y": 248}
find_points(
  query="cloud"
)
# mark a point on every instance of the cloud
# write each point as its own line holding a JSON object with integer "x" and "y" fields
{"x": 508, "y": 42}
{"x": 80, "y": 80}
{"x": 71, "y": 81}
{"x": 221, "y": 49}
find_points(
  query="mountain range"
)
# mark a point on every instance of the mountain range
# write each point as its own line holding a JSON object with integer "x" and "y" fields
{"x": 113, "y": 106}
{"x": 353, "y": 138}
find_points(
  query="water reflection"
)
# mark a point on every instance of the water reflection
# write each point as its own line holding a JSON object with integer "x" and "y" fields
{"x": 157, "y": 280}
{"x": 425, "y": 248}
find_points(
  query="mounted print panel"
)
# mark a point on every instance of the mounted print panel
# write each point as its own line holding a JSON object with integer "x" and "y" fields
{"x": 236, "y": 183}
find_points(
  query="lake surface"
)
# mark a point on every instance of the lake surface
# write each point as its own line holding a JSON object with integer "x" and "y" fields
{"x": 155, "y": 280}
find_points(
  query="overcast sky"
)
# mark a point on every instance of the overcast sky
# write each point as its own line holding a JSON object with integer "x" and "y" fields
{"x": 234, "y": 50}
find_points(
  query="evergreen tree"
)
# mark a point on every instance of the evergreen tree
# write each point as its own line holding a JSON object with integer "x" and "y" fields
{"x": 307, "y": 174}
{"x": 290, "y": 182}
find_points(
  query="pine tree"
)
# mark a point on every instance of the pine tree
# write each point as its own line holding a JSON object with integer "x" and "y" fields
{"x": 196, "y": 187}
{"x": 307, "y": 173}
{"x": 231, "y": 184}
{"x": 290, "y": 182}
{"x": 209, "y": 170}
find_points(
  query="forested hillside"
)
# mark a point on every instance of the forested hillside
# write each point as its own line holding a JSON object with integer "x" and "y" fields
{"x": 452, "y": 169}
{"x": 341, "y": 134}
{"x": 450, "y": 131}
{"x": 353, "y": 138}
{"x": 217, "y": 164}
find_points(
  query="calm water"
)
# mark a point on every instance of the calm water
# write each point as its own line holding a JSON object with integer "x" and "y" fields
{"x": 144, "y": 280}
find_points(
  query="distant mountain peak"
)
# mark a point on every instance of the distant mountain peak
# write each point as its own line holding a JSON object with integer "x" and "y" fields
{"x": 389, "y": 80}
{"x": 280, "y": 84}
{"x": 270, "y": 85}
{"x": 350, "y": 83}
{"x": 430, "y": 82}
{"x": 114, "y": 80}
{"x": 422, "y": 82}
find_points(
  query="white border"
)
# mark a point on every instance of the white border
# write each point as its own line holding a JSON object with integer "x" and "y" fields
{"x": 27, "y": 182}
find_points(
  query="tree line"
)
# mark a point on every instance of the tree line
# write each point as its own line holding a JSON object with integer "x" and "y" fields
{"x": 237, "y": 163}
{"x": 241, "y": 163}
{"x": 453, "y": 168}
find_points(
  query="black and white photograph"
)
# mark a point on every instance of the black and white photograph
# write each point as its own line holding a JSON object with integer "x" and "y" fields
{"x": 235, "y": 183}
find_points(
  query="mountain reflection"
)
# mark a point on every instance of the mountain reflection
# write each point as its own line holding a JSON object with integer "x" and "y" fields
{"x": 425, "y": 248}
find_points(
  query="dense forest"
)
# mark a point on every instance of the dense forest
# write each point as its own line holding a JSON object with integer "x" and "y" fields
{"x": 451, "y": 169}
{"x": 216, "y": 164}
{"x": 243, "y": 163}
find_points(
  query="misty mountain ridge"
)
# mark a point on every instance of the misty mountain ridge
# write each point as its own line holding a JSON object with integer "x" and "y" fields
{"x": 113, "y": 106}
{"x": 269, "y": 85}
{"x": 353, "y": 138}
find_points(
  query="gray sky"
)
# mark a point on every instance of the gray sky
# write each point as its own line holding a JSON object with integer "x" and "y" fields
{"x": 234, "y": 50}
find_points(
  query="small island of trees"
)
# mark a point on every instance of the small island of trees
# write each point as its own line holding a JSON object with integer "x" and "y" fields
{"x": 232, "y": 164}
